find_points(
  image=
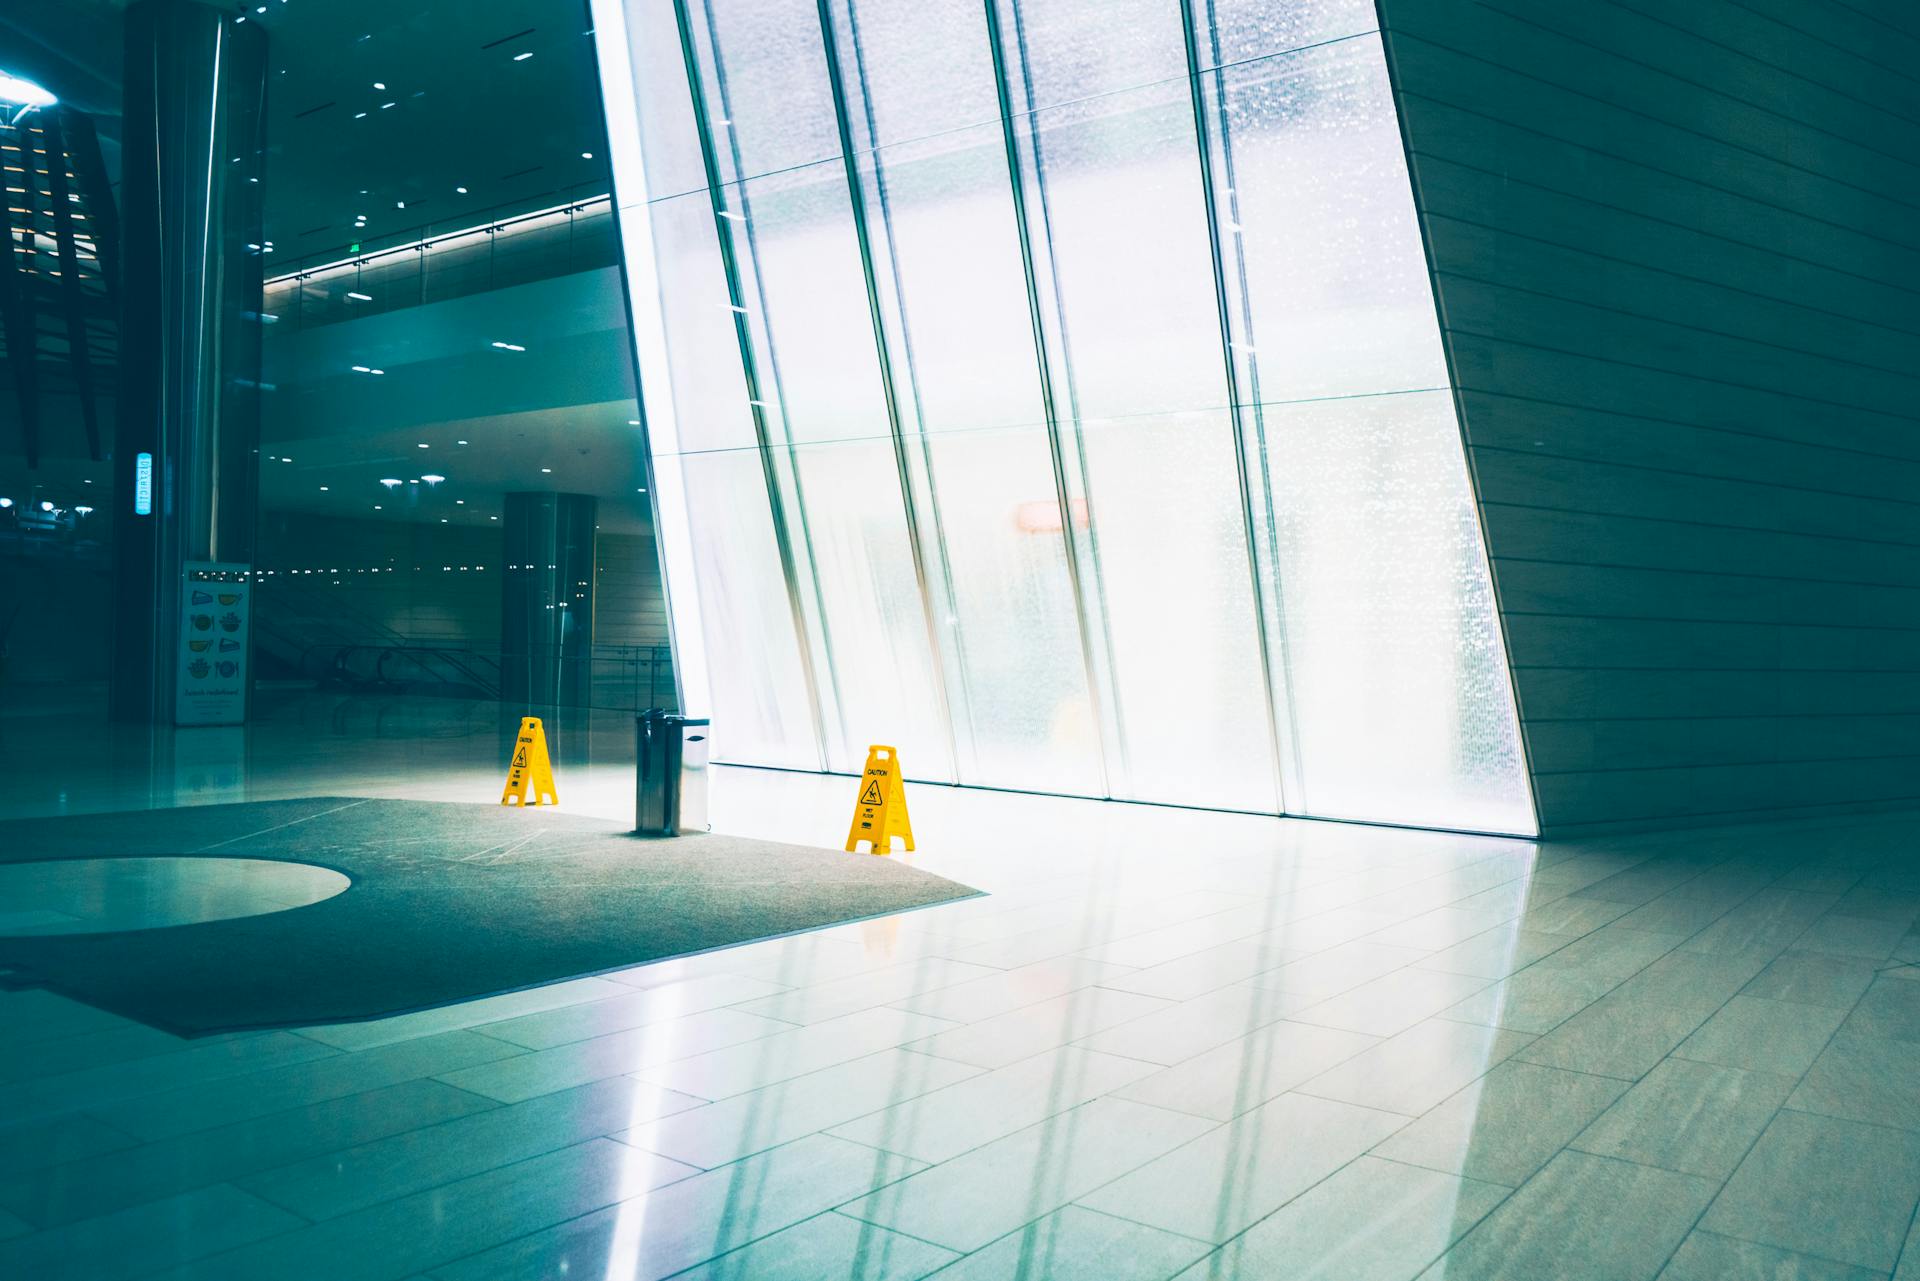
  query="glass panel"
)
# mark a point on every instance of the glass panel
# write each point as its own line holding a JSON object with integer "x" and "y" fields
{"x": 1019, "y": 640}
{"x": 1128, "y": 233}
{"x": 769, "y": 97}
{"x": 1334, "y": 269}
{"x": 1245, "y": 29}
{"x": 1186, "y": 657}
{"x": 877, "y": 631}
{"x": 1122, "y": 182}
{"x": 1075, "y": 49}
{"x": 760, "y": 713}
{"x": 1400, "y": 685}
{"x": 925, "y": 68}
{"x": 703, "y": 349}
{"x": 796, "y": 232}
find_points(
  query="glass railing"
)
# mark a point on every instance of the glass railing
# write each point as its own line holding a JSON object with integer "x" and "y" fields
{"x": 434, "y": 262}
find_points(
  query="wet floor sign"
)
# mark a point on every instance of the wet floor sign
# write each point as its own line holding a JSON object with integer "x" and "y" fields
{"x": 880, "y": 809}
{"x": 531, "y": 771}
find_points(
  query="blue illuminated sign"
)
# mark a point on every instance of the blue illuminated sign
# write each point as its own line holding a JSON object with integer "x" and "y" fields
{"x": 143, "y": 484}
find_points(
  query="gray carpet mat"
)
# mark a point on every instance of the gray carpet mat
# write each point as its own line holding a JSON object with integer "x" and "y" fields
{"x": 449, "y": 902}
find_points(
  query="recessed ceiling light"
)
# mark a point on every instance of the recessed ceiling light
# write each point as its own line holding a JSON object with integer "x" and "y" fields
{"x": 586, "y": 155}
{"x": 385, "y": 105}
{"x": 359, "y": 115}
{"x": 461, "y": 190}
{"x": 323, "y": 489}
{"x": 509, "y": 346}
{"x": 378, "y": 85}
{"x": 459, "y": 442}
{"x": 423, "y": 444}
{"x": 546, "y": 471}
{"x": 357, "y": 296}
{"x": 390, "y": 481}
{"x": 633, "y": 422}
{"x": 522, "y": 57}
{"x": 399, "y": 204}
{"x": 431, "y": 478}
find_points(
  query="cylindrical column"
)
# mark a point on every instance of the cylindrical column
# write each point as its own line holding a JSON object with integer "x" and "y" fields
{"x": 546, "y": 602}
{"x": 186, "y": 457}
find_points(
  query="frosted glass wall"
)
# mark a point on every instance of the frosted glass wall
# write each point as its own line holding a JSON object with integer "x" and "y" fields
{"x": 1053, "y": 390}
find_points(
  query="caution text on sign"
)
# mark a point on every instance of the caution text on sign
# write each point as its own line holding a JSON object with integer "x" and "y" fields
{"x": 530, "y": 776}
{"x": 880, "y": 807}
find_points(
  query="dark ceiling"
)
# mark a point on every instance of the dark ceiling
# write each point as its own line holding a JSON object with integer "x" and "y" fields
{"x": 467, "y": 110}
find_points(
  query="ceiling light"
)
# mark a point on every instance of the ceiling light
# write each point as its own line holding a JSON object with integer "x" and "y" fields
{"x": 358, "y": 296}
{"x": 286, "y": 460}
{"x": 459, "y": 442}
{"x": 84, "y": 511}
{"x": 359, "y": 115}
{"x": 431, "y": 479}
{"x": 376, "y": 506}
{"x": 633, "y": 422}
{"x": 509, "y": 346}
{"x": 45, "y": 506}
{"x": 459, "y": 502}
{"x": 546, "y": 471}
{"x": 423, "y": 444}
{"x": 24, "y": 92}
{"x": 522, "y": 57}
{"x": 586, "y": 155}
{"x": 389, "y": 481}
{"x": 385, "y": 105}
{"x": 461, "y": 190}
{"x": 399, "y": 204}
{"x": 5, "y": 503}
{"x": 323, "y": 489}
{"x": 378, "y": 85}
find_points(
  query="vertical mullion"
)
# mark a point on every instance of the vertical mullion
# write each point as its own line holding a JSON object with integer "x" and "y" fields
{"x": 1266, "y": 536}
{"x": 1279, "y": 741}
{"x": 750, "y": 371}
{"x": 856, "y": 197}
{"x": 1097, "y": 657}
{"x": 962, "y": 707}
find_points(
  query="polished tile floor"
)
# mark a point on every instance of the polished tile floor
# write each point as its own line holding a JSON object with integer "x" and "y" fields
{"x": 1167, "y": 1044}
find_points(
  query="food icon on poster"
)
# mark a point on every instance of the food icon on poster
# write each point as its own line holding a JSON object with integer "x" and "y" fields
{"x": 215, "y": 611}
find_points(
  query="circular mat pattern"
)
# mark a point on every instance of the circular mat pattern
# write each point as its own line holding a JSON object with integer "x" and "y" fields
{"x": 110, "y": 895}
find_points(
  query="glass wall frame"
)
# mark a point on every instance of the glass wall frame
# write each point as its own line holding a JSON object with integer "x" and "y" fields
{"x": 1090, "y": 358}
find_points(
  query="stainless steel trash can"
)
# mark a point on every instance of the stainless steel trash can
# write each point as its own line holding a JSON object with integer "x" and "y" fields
{"x": 670, "y": 774}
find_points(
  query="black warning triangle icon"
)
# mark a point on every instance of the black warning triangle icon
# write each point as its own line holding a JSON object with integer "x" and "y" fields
{"x": 520, "y": 759}
{"x": 871, "y": 796}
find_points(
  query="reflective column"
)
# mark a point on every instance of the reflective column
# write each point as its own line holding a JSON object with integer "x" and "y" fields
{"x": 546, "y": 605}
{"x": 185, "y": 460}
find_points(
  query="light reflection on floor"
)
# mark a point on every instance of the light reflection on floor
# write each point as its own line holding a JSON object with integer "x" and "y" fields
{"x": 1166, "y": 1043}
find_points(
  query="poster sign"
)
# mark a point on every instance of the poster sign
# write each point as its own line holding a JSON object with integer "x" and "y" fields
{"x": 216, "y": 605}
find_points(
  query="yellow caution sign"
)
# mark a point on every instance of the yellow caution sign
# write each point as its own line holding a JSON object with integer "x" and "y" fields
{"x": 880, "y": 809}
{"x": 531, "y": 770}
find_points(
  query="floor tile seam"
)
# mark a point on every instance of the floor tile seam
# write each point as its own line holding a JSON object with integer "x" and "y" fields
{"x": 1906, "y": 1242}
{"x": 832, "y": 1131}
{"x": 558, "y": 1223}
{"x": 605, "y": 1036}
{"x": 976, "y": 1072}
{"x": 1165, "y": 1004}
{"x": 840, "y": 1211}
{"x": 351, "y": 802}
{"x": 213, "y": 1131}
{"x": 1792, "y": 1250}
{"x": 1508, "y": 1188}
{"x": 1885, "y": 1126}
{"x": 1759, "y": 1134}
{"x": 1012, "y": 1009}
{"x": 493, "y": 1106}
